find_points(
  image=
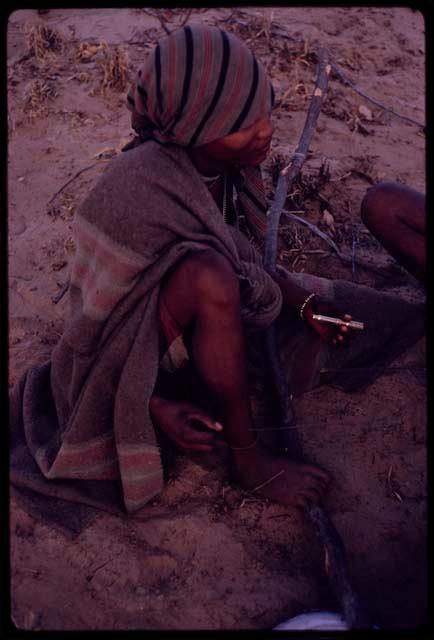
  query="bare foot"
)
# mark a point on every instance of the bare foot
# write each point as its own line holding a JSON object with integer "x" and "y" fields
{"x": 278, "y": 478}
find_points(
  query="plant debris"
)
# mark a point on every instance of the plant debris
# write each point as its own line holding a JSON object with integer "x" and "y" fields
{"x": 42, "y": 41}
{"x": 36, "y": 96}
{"x": 114, "y": 65}
{"x": 86, "y": 51}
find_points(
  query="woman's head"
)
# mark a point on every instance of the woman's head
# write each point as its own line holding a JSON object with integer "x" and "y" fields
{"x": 199, "y": 85}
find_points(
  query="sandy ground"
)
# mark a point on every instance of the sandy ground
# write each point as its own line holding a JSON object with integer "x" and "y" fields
{"x": 205, "y": 554}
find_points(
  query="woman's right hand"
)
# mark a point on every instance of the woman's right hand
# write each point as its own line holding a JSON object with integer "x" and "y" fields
{"x": 186, "y": 425}
{"x": 328, "y": 332}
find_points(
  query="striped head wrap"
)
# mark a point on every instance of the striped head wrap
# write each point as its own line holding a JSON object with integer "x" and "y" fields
{"x": 200, "y": 84}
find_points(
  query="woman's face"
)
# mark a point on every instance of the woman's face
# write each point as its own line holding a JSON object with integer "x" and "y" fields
{"x": 248, "y": 146}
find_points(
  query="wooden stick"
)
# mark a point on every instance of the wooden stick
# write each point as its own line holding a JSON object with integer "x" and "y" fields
{"x": 336, "y": 567}
{"x": 57, "y": 298}
{"x": 285, "y": 180}
{"x": 288, "y": 173}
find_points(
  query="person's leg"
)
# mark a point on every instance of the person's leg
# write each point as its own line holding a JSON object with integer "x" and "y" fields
{"x": 395, "y": 215}
{"x": 202, "y": 294}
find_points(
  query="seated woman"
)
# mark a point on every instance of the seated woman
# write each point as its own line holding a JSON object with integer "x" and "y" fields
{"x": 395, "y": 215}
{"x": 165, "y": 279}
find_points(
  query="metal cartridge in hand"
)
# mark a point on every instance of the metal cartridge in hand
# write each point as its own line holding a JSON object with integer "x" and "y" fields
{"x": 351, "y": 324}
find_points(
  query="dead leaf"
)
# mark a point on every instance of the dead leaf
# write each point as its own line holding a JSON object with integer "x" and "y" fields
{"x": 328, "y": 219}
{"x": 365, "y": 112}
{"x": 107, "y": 152}
{"x": 86, "y": 51}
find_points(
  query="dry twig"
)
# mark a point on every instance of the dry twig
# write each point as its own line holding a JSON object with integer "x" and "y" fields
{"x": 156, "y": 13}
{"x": 68, "y": 182}
{"x": 355, "y": 88}
{"x": 36, "y": 96}
{"x": 346, "y": 259}
{"x": 314, "y": 229}
{"x": 264, "y": 484}
{"x": 57, "y": 298}
{"x": 114, "y": 65}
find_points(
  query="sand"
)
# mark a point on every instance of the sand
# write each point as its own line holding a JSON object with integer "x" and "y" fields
{"x": 204, "y": 554}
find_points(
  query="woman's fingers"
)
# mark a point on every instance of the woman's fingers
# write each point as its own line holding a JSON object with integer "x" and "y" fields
{"x": 205, "y": 420}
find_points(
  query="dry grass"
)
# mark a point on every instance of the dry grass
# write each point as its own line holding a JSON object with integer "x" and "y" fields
{"x": 296, "y": 60}
{"x": 261, "y": 28}
{"x": 36, "y": 97}
{"x": 86, "y": 51}
{"x": 42, "y": 41}
{"x": 114, "y": 65}
{"x": 111, "y": 64}
{"x": 168, "y": 16}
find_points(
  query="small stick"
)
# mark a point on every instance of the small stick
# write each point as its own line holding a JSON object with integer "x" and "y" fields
{"x": 57, "y": 298}
{"x": 354, "y": 87}
{"x": 342, "y": 256}
{"x": 288, "y": 173}
{"x": 314, "y": 229}
{"x": 345, "y": 175}
{"x": 284, "y": 183}
{"x": 264, "y": 484}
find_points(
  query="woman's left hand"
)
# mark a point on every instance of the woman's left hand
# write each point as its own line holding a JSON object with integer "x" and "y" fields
{"x": 336, "y": 334}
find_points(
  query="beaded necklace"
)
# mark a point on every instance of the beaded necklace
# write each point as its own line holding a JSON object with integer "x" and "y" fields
{"x": 210, "y": 182}
{"x": 225, "y": 199}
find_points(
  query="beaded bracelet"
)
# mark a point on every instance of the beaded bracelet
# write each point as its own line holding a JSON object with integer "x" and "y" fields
{"x": 303, "y": 306}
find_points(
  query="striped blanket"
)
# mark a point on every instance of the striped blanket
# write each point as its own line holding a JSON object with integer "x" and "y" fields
{"x": 81, "y": 432}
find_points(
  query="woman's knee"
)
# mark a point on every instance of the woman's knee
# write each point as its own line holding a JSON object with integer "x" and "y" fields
{"x": 378, "y": 204}
{"x": 212, "y": 278}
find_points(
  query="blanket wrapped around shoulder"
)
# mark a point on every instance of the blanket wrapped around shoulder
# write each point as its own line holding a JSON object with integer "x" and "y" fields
{"x": 82, "y": 419}
{"x": 80, "y": 425}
